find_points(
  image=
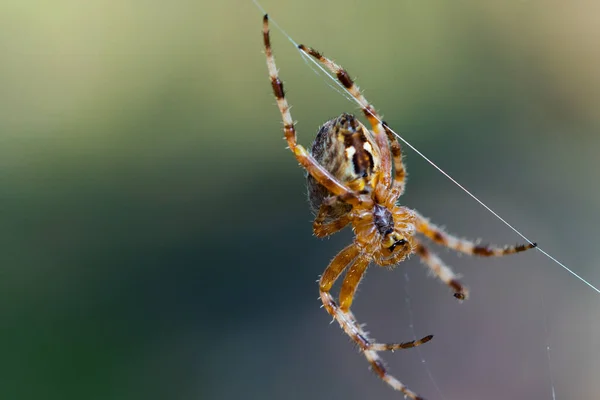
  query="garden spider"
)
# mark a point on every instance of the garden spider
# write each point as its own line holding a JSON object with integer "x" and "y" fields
{"x": 350, "y": 182}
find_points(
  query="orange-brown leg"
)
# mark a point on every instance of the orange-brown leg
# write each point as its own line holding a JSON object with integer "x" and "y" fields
{"x": 441, "y": 270}
{"x": 353, "y": 277}
{"x": 322, "y": 228}
{"x": 337, "y": 266}
{"x": 358, "y": 264}
{"x": 399, "y": 169}
{"x": 368, "y": 109}
{"x": 351, "y": 281}
{"x": 302, "y": 155}
{"x": 438, "y": 235}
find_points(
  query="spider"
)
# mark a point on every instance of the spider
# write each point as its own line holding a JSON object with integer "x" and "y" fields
{"x": 351, "y": 181}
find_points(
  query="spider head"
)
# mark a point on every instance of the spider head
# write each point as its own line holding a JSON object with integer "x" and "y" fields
{"x": 395, "y": 230}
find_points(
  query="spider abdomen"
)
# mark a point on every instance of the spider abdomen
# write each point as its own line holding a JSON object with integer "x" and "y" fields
{"x": 347, "y": 149}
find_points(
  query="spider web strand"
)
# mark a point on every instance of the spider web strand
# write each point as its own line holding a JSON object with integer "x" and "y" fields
{"x": 547, "y": 331}
{"x": 408, "y": 304}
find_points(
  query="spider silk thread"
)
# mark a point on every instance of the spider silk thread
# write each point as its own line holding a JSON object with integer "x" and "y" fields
{"x": 408, "y": 303}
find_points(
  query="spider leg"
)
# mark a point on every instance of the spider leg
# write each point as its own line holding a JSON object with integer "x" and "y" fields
{"x": 322, "y": 228}
{"x": 369, "y": 111}
{"x": 441, "y": 270}
{"x": 342, "y": 314}
{"x": 438, "y": 235}
{"x": 399, "y": 169}
{"x": 353, "y": 277}
{"x": 351, "y": 280}
{"x": 305, "y": 159}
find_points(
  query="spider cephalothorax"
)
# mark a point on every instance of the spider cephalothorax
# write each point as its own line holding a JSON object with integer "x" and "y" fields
{"x": 351, "y": 181}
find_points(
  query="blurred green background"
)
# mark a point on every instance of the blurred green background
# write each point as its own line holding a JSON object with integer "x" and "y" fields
{"x": 155, "y": 236}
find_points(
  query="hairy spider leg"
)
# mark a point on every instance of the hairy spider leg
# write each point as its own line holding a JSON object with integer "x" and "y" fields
{"x": 354, "y": 274}
{"x": 322, "y": 176}
{"x": 351, "y": 256}
{"x": 437, "y": 234}
{"x": 368, "y": 109}
{"x": 399, "y": 169}
{"x": 322, "y": 228}
{"x": 441, "y": 270}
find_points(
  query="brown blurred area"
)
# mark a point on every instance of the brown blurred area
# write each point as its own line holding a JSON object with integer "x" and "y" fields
{"x": 155, "y": 238}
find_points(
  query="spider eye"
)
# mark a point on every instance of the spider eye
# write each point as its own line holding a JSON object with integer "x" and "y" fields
{"x": 400, "y": 242}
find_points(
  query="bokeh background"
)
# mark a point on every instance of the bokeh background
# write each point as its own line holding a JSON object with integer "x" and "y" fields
{"x": 155, "y": 239}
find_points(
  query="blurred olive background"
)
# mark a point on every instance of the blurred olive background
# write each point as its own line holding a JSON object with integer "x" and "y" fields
{"x": 155, "y": 236}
